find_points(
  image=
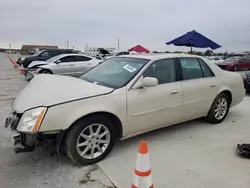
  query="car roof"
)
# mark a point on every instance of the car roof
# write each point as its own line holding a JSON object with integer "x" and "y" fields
{"x": 71, "y": 54}
{"x": 154, "y": 57}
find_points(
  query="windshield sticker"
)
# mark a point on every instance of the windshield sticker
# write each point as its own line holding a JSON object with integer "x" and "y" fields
{"x": 129, "y": 68}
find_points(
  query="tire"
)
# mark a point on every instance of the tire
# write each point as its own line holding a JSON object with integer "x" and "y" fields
{"x": 83, "y": 126}
{"x": 235, "y": 68}
{"x": 45, "y": 71}
{"x": 211, "y": 117}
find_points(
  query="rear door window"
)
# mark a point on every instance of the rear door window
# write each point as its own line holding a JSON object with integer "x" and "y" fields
{"x": 191, "y": 68}
{"x": 82, "y": 58}
{"x": 206, "y": 70}
{"x": 67, "y": 59}
{"x": 55, "y": 53}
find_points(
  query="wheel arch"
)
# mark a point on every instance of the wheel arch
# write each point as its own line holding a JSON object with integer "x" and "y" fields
{"x": 42, "y": 69}
{"x": 229, "y": 94}
{"x": 115, "y": 120}
{"x": 226, "y": 90}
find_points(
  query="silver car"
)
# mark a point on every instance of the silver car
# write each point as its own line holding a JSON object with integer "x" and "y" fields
{"x": 65, "y": 64}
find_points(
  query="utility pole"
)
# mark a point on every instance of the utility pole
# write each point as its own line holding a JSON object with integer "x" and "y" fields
{"x": 118, "y": 47}
{"x": 67, "y": 44}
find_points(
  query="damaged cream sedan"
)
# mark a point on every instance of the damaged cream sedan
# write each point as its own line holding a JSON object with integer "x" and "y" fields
{"x": 122, "y": 97}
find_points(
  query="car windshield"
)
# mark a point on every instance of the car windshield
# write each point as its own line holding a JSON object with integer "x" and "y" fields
{"x": 232, "y": 59}
{"x": 115, "y": 72}
{"x": 38, "y": 53}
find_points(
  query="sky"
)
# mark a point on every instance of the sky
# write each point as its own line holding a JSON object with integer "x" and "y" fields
{"x": 99, "y": 23}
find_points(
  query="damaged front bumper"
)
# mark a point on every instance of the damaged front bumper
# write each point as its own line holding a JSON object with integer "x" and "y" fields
{"x": 22, "y": 142}
{"x": 27, "y": 142}
{"x": 29, "y": 74}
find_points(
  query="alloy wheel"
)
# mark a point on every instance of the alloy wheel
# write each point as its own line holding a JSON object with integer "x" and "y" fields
{"x": 93, "y": 141}
{"x": 220, "y": 108}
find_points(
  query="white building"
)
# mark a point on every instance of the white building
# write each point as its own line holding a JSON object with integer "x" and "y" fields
{"x": 93, "y": 51}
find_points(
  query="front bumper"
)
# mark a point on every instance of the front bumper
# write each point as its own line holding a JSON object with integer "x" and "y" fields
{"x": 27, "y": 142}
{"x": 21, "y": 142}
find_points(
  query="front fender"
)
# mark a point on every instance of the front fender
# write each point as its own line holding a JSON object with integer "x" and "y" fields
{"x": 61, "y": 117}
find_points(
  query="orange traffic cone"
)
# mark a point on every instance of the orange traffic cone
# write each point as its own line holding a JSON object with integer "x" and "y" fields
{"x": 142, "y": 172}
{"x": 22, "y": 70}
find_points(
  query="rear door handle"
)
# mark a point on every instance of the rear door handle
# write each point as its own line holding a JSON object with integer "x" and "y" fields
{"x": 174, "y": 92}
{"x": 212, "y": 85}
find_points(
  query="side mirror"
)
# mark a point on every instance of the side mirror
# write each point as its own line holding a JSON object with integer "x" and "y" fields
{"x": 146, "y": 82}
{"x": 58, "y": 61}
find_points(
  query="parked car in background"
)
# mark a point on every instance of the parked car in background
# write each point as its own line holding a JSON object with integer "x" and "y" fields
{"x": 235, "y": 63}
{"x": 122, "y": 97}
{"x": 117, "y": 54}
{"x": 215, "y": 59}
{"x": 43, "y": 56}
{"x": 65, "y": 64}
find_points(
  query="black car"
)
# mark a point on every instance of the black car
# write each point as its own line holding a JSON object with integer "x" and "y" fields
{"x": 43, "y": 56}
{"x": 246, "y": 77}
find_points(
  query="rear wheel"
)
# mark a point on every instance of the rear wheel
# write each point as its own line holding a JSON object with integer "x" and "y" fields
{"x": 219, "y": 109}
{"x": 90, "y": 140}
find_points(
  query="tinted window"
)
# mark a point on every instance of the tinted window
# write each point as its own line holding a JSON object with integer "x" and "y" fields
{"x": 54, "y": 53}
{"x": 82, "y": 58}
{"x": 191, "y": 68}
{"x": 206, "y": 70}
{"x": 45, "y": 54}
{"x": 163, "y": 70}
{"x": 67, "y": 59}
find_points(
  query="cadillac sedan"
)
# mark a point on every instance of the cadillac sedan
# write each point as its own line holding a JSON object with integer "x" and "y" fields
{"x": 122, "y": 97}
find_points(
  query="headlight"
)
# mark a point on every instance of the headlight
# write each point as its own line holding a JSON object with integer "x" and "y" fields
{"x": 31, "y": 120}
{"x": 22, "y": 58}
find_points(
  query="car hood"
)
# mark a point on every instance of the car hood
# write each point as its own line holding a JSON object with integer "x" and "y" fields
{"x": 47, "y": 90}
{"x": 37, "y": 63}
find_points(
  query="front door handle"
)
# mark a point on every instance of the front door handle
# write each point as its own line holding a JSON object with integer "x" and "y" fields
{"x": 212, "y": 85}
{"x": 174, "y": 92}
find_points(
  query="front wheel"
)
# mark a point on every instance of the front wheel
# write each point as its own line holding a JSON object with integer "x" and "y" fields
{"x": 90, "y": 140}
{"x": 219, "y": 109}
{"x": 45, "y": 71}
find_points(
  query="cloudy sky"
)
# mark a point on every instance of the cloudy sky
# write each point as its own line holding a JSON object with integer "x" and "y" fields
{"x": 99, "y": 23}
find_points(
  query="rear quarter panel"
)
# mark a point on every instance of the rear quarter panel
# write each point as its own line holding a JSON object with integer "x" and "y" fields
{"x": 233, "y": 82}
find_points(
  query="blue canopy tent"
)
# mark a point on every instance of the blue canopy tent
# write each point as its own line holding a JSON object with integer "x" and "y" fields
{"x": 194, "y": 39}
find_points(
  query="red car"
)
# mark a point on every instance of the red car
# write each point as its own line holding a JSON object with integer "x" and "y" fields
{"x": 235, "y": 63}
